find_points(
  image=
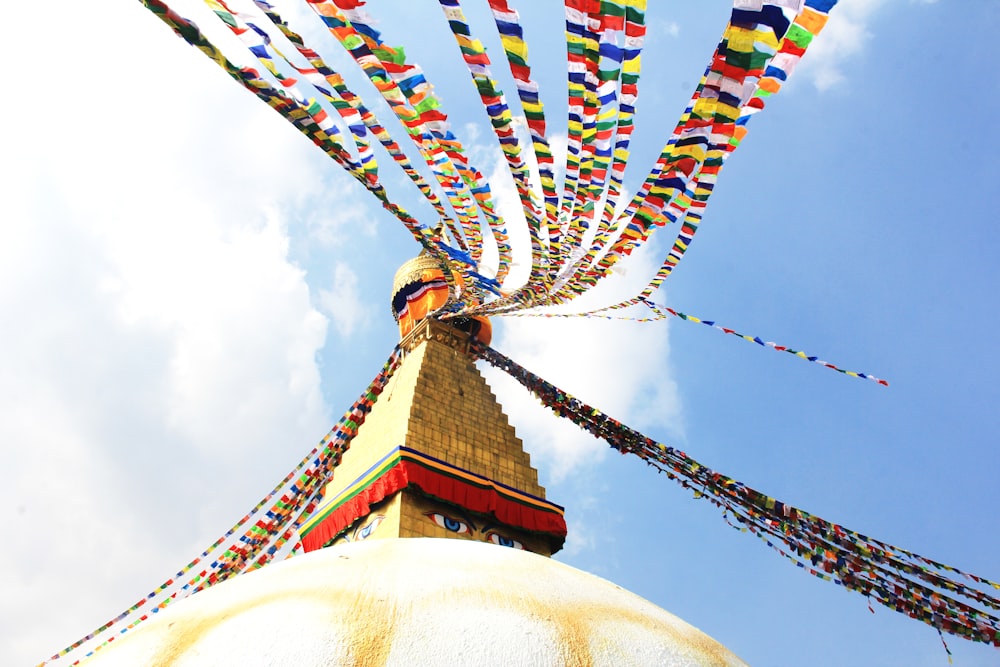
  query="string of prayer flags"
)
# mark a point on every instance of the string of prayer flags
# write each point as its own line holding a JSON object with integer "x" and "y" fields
{"x": 297, "y": 116}
{"x": 582, "y": 55}
{"x": 345, "y": 102}
{"x": 939, "y": 595}
{"x": 259, "y": 44}
{"x": 495, "y": 102}
{"x": 634, "y": 28}
{"x": 607, "y": 118}
{"x": 702, "y": 140}
{"x": 512, "y": 37}
{"x": 418, "y": 92}
{"x": 663, "y": 311}
{"x": 804, "y": 27}
{"x": 409, "y": 96}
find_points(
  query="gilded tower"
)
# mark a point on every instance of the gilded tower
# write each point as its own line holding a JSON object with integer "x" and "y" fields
{"x": 436, "y": 457}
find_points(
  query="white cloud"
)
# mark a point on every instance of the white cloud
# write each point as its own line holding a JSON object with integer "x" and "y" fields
{"x": 671, "y": 28}
{"x": 845, "y": 36}
{"x": 343, "y": 302}
{"x": 580, "y": 537}
{"x": 585, "y": 358}
{"x": 155, "y": 331}
{"x": 336, "y": 215}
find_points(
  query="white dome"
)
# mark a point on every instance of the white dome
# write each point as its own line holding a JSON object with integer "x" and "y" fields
{"x": 415, "y": 602}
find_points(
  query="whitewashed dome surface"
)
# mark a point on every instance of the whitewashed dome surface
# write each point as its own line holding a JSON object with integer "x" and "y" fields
{"x": 415, "y": 601}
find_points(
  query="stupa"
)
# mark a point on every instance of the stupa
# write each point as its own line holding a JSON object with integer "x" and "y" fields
{"x": 432, "y": 546}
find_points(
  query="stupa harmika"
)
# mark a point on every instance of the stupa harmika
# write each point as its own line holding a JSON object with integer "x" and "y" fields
{"x": 431, "y": 547}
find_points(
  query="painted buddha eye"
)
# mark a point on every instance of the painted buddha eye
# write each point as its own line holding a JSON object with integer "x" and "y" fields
{"x": 503, "y": 541}
{"x": 446, "y": 522}
{"x": 366, "y": 531}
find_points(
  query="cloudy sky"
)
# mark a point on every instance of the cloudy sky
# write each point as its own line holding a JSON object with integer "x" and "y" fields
{"x": 191, "y": 294}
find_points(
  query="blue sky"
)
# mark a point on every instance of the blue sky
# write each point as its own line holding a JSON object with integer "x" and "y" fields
{"x": 191, "y": 294}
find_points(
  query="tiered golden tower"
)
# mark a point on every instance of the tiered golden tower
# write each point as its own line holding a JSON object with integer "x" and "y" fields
{"x": 437, "y": 457}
